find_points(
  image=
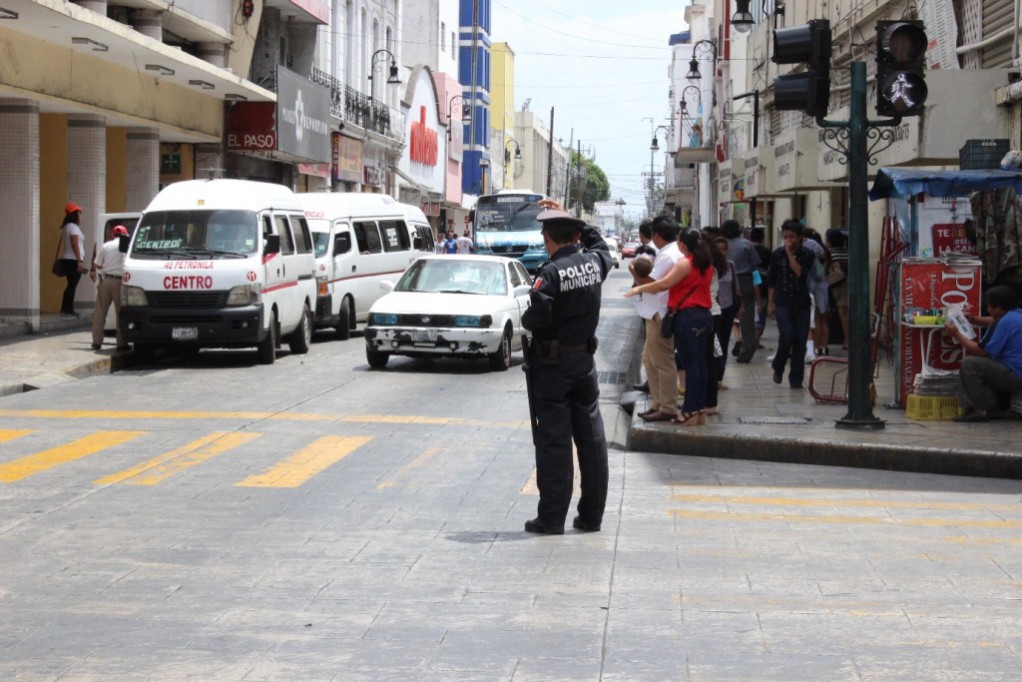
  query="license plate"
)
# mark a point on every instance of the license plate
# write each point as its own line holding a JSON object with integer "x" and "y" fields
{"x": 184, "y": 333}
{"x": 424, "y": 336}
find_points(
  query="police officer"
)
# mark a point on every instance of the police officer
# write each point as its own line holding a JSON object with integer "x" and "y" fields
{"x": 563, "y": 315}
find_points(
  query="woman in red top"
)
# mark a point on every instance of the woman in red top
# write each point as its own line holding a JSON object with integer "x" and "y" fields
{"x": 688, "y": 283}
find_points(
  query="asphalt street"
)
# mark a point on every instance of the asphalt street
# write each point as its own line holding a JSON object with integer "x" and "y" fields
{"x": 208, "y": 518}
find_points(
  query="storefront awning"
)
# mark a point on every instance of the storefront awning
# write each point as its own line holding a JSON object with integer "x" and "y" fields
{"x": 906, "y": 182}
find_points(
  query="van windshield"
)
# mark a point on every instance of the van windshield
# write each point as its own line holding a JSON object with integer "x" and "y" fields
{"x": 196, "y": 234}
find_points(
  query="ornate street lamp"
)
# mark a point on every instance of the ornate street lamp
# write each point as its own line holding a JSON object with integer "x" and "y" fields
{"x": 392, "y": 79}
{"x": 466, "y": 113}
{"x": 693, "y": 65}
{"x": 742, "y": 20}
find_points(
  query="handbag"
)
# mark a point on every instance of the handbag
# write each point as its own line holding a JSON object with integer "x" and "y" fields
{"x": 57, "y": 269}
{"x": 667, "y": 321}
{"x": 667, "y": 324}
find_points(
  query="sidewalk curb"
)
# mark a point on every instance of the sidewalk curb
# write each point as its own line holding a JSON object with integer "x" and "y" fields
{"x": 703, "y": 442}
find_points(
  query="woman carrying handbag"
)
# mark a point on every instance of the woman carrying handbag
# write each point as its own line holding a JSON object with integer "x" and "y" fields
{"x": 70, "y": 260}
{"x": 688, "y": 284}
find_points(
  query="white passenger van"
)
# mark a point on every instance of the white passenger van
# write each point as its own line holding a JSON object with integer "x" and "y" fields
{"x": 220, "y": 263}
{"x": 361, "y": 239}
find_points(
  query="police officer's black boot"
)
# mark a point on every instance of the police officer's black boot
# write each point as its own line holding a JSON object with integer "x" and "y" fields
{"x": 537, "y": 525}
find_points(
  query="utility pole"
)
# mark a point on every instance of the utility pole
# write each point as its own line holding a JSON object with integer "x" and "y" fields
{"x": 550, "y": 157}
{"x": 581, "y": 181}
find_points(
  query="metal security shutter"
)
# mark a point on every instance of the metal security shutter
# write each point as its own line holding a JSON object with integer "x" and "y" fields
{"x": 998, "y": 15}
{"x": 216, "y": 12}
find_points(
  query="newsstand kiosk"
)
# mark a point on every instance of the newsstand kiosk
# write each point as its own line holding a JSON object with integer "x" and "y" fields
{"x": 941, "y": 263}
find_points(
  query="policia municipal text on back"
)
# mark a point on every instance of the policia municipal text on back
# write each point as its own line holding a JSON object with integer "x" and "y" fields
{"x": 561, "y": 374}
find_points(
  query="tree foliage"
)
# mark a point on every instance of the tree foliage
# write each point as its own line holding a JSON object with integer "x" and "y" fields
{"x": 595, "y": 185}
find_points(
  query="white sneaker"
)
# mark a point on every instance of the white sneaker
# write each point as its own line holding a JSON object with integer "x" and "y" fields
{"x": 770, "y": 358}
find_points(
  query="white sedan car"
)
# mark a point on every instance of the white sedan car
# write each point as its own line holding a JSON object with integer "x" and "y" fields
{"x": 451, "y": 305}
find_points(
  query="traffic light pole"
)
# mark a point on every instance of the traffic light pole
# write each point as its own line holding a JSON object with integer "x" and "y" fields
{"x": 856, "y": 133}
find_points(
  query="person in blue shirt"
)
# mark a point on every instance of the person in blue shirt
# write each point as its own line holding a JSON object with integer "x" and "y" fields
{"x": 451, "y": 245}
{"x": 992, "y": 366}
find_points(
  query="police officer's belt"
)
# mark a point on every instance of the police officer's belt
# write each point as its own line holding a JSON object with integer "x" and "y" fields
{"x": 552, "y": 349}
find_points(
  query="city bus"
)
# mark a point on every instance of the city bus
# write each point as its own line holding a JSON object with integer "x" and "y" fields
{"x": 504, "y": 224}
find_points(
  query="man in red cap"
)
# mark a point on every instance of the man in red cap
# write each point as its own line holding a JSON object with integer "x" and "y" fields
{"x": 109, "y": 264}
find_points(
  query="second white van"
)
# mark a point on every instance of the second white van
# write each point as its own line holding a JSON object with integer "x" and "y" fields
{"x": 361, "y": 239}
{"x": 220, "y": 263}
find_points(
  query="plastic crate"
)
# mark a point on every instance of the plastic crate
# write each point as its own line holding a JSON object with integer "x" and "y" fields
{"x": 931, "y": 407}
{"x": 982, "y": 154}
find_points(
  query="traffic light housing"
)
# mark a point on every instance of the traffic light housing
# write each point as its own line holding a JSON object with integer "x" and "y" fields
{"x": 900, "y": 68}
{"x": 808, "y": 91}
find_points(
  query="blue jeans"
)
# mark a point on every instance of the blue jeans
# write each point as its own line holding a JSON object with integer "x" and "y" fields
{"x": 692, "y": 327}
{"x": 793, "y": 327}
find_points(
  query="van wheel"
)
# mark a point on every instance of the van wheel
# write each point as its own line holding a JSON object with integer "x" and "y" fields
{"x": 343, "y": 329}
{"x": 377, "y": 359}
{"x": 267, "y": 349}
{"x": 301, "y": 338}
{"x": 500, "y": 360}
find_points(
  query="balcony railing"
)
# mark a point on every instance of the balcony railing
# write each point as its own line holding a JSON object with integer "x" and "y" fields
{"x": 352, "y": 106}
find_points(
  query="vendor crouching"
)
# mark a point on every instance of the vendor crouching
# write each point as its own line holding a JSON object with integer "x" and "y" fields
{"x": 992, "y": 368}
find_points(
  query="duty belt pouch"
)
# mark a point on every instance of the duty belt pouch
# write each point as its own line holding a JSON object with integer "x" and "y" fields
{"x": 592, "y": 344}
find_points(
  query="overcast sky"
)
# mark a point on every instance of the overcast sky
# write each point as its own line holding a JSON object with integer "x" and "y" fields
{"x": 602, "y": 64}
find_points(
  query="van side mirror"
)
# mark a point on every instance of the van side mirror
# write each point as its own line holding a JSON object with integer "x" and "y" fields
{"x": 342, "y": 243}
{"x": 122, "y": 243}
{"x": 272, "y": 244}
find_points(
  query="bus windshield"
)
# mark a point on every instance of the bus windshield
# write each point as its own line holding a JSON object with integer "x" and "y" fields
{"x": 507, "y": 213}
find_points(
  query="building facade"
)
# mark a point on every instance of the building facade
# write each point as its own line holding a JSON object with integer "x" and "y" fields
{"x": 100, "y": 104}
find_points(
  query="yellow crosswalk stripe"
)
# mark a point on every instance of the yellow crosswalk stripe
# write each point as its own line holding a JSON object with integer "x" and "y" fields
{"x": 164, "y": 466}
{"x": 303, "y": 465}
{"x": 11, "y": 434}
{"x": 83, "y": 447}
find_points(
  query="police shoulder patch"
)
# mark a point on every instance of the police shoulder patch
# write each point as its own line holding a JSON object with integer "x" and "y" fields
{"x": 538, "y": 283}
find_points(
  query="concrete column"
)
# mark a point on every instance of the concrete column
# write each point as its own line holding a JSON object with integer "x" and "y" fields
{"x": 20, "y": 259}
{"x": 143, "y": 182}
{"x": 214, "y": 53}
{"x": 148, "y": 22}
{"x": 86, "y": 181}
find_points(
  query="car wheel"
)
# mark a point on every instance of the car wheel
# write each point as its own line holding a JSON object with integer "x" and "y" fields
{"x": 500, "y": 359}
{"x": 301, "y": 338}
{"x": 267, "y": 348}
{"x": 343, "y": 329}
{"x": 377, "y": 359}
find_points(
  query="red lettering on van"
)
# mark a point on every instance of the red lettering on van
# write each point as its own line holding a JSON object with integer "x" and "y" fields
{"x": 188, "y": 282}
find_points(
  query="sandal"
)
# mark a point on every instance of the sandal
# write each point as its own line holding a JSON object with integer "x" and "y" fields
{"x": 690, "y": 419}
{"x": 659, "y": 416}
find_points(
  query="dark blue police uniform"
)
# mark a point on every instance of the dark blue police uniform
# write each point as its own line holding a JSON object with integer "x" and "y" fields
{"x": 563, "y": 315}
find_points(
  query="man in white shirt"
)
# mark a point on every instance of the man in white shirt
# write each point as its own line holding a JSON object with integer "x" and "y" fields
{"x": 109, "y": 264}
{"x": 465, "y": 243}
{"x": 658, "y": 352}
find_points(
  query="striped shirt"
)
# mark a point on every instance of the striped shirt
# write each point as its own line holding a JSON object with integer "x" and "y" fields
{"x": 743, "y": 254}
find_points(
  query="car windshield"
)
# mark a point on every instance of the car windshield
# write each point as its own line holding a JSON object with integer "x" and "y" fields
{"x": 450, "y": 276}
{"x": 196, "y": 234}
